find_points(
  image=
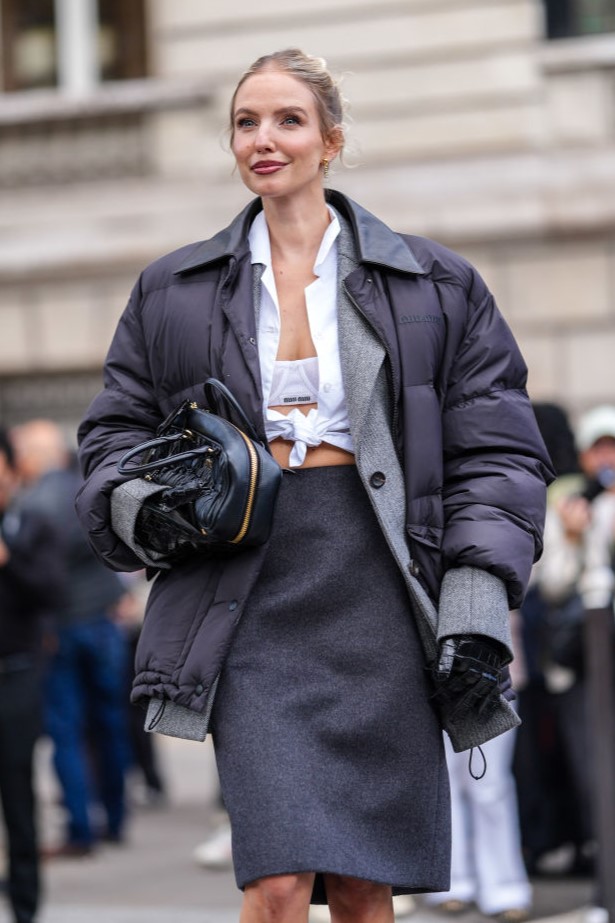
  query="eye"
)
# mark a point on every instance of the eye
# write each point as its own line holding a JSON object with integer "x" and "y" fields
{"x": 245, "y": 122}
{"x": 291, "y": 120}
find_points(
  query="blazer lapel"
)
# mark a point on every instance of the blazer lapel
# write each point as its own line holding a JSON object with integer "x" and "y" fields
{"x": 361, "y": 351}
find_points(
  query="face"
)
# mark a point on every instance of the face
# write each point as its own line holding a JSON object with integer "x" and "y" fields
{"x": 277, "y": 137}
{"x": 599, "y": 457}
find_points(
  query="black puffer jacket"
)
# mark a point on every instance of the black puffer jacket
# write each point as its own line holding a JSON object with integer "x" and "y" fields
{"x": 475, "y": 465}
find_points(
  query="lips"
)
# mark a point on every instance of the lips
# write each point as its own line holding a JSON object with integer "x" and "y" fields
{"x": 263, "y": 167}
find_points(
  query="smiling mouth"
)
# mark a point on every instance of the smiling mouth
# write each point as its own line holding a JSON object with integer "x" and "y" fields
{"x": 267, "y": 166}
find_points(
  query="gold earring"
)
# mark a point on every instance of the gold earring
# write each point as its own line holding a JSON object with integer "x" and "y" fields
{"x": 325, "y": 167}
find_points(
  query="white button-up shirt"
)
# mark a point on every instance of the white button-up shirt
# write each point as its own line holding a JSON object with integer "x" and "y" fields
{"x": 328, "y": 422}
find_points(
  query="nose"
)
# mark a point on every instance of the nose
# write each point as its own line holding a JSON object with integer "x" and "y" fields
{"x": 264, "y": 139}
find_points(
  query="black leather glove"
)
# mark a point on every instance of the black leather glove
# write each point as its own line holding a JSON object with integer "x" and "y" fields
{"x": 167, "y": 523}
{"x": 163, "y": 533}
{"x": 470, "y": 674}
{"x": 185, "y": 484}
{"x": 506, "y": 686}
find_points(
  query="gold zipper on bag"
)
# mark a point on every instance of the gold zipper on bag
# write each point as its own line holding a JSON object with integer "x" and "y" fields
{"x": 252, "y": 487}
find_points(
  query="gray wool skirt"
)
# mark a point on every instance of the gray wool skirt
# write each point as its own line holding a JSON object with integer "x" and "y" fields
{"x": 329, "y": 751}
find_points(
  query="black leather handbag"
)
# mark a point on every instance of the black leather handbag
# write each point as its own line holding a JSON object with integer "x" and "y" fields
{"x": 221, "y": 481}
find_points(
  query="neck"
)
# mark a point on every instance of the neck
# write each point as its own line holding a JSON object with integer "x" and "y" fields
{"x": 296, "y": 227}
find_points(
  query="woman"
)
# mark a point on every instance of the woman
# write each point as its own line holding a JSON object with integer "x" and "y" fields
{"x": 391, "y": 392}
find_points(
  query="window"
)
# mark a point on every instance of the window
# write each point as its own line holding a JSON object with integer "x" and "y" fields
{"x": 567, "y": 18}
{"x": 42, "y": 45}
{"x": 29, "y": 46}
{"x": 121, "y": 39}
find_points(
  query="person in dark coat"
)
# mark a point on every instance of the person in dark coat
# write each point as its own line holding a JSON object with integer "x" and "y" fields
{"x": 391, "y": 392}
{"x": 85, "y": 713}
{"x": 32, "y": 578}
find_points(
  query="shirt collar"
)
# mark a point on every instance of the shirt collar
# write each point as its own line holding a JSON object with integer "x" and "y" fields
{"x": 260, "y": 245}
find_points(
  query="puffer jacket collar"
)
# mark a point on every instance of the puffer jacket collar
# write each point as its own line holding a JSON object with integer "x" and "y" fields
{"x": 377, "y": 244}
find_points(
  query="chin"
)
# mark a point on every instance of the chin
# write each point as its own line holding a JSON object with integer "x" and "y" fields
{"x": 258, "y": 185}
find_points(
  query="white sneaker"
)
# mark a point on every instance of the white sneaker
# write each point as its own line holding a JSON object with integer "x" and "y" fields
{"x": 596, "y": 915}
{"x": 319, "y": 913}
{"x": 216, "y": 851}
{"x": 403, "y": 905}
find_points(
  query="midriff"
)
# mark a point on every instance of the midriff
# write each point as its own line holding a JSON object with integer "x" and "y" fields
{"x": 316, "y": 456}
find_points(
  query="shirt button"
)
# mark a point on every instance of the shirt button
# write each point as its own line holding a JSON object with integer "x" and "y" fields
{"x": 377, "y": 479}
{"x": 232, "y": 605}
{"x": 414, "y": 568}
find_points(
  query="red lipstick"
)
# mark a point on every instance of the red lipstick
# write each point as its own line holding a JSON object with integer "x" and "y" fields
{"x": 267, "y": 166}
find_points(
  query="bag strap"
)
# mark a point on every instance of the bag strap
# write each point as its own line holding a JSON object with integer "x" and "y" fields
{"x": 213, "y": 390}
{"x": 124, "y": 466}
{"x": 213, "y": 385}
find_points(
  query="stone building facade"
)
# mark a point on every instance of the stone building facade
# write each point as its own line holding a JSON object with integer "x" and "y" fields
{"x": 470, "y": 124}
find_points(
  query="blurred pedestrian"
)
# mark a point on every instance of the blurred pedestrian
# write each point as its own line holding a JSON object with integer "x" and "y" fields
{"x": 32, "y": 578}
{"x": 548, "y": 804}
{"x": 576, "y": 573}
{"x": 85, "y": 687}
{"x": 487, "y": 866}
{"x": 391, "y": 393}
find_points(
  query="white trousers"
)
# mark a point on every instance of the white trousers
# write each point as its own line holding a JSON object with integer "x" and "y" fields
{"x": 487, "y": 865}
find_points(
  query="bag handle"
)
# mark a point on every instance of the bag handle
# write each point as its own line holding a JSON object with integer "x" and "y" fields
{"x": 124, "y": 467}
{"x": 213, "y": 385}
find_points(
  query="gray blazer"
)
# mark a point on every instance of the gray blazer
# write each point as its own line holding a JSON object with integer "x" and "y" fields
{"x": 471, "y": 599}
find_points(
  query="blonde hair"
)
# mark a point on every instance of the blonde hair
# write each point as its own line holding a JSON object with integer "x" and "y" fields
{"x": 311, "y": 71}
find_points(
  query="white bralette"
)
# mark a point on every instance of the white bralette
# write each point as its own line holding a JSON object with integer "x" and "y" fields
{"x": 294, "y": 382}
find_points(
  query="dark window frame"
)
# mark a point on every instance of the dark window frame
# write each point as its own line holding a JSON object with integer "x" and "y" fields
{"x": 10, "y": 30}
{"x": 577, "y": 18}
{"x": 129, "y": 19}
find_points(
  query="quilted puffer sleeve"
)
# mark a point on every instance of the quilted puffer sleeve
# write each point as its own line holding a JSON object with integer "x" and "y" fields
{"x": 122, "y": 415}
{"x": 496, "y": 467}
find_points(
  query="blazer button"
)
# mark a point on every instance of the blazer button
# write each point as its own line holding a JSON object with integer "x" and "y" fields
{"x": 377, "y": 479}
{"x": 199, "y": 689}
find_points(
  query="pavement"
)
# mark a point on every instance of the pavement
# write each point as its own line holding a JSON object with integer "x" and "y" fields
{"x": 152, "y": 878}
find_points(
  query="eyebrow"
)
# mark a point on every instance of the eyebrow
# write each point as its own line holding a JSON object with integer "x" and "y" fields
{"x": 243, "y": 110}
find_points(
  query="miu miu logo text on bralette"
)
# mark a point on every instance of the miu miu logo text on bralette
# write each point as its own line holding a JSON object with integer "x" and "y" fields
{"x": 302, "y": 399}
